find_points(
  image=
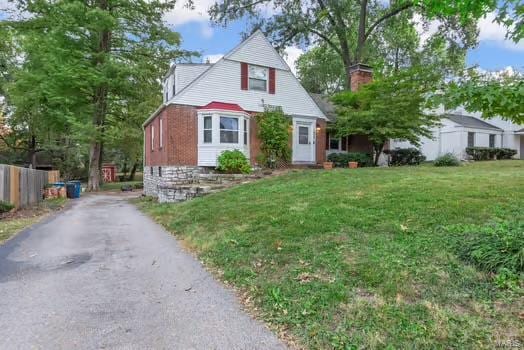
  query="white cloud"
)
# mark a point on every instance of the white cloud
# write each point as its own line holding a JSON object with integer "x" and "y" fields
{"x": 182, "y": 14}
{"x": 489, "y": 31}
{"x": 425, "y": 30}
{"x": 292, "y": 53}
{"x": 212, "y": 58}
{"x": 493, "y": 32}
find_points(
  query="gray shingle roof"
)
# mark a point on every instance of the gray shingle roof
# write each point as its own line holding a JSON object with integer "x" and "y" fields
{"x": 521, "y": 130}
{"x": 325, "y": 105}
{"x": 470, "y": 122}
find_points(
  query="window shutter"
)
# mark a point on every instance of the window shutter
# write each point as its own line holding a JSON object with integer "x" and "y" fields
{"x": 327, "y": 140}
{"x": 272, "y": 81}
{"x": 344, "y": 141}
{"x": 243, "y": 76}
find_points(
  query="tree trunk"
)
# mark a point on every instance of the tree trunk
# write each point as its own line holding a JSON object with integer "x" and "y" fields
{"x": 377, "y": 151}
{"x": 93, "y": 183}
{"x": 361, "y": 30}
{"x": 133, "y": 172}
{"x": 346, "y": 59}
{"x": 100, "y": 110}
{"x": 32, "y": 152}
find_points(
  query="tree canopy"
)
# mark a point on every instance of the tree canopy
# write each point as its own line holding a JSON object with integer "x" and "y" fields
{"x": 90, "y": 67}
{"x": 348, "y": 27}
{"x": 388, "y": 108}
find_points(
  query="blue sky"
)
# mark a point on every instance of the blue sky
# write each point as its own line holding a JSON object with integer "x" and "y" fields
{"x": 494, "y": 52}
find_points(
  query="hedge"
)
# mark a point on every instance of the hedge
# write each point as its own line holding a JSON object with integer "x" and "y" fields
{"x": 342, "y": 159}
{"x": 489, "y": 153}
{"x": 405, "y": 156}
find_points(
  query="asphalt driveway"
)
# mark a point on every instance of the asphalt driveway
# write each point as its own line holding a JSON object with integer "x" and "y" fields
{"x": 101, "y": 275}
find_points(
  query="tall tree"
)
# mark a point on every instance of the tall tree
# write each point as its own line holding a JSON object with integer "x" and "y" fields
{"x": 389, "y": 108}
{"x": 97, "y": 55}
{"x": 394, "y": 47}
{"x": 321, "y": 71}
{"x": 346, "y": 26}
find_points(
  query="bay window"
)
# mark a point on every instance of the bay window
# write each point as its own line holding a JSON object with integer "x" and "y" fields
{"x": 258, "y": 77}
{"x": 220, "y": 131}
{"x": 228, "y": 130}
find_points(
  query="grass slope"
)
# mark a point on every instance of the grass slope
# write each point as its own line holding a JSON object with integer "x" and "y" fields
{"x": 359, "y": 258}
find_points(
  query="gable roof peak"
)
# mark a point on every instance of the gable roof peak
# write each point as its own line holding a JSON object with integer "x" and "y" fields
{"x": 238, "y": 53}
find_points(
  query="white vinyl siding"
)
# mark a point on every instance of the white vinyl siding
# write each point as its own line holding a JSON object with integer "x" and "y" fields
{"x": 257, "y": 50}
{"x": 181, "y": 76}
{"x": 186, "y": 73}
{"x": 222, "y": 83}
{"x": 453, "y": 138}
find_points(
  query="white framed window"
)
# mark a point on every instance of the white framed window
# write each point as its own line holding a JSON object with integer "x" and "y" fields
{"x": 492, "y": 140}
{"x": 161, "y": 137}
{"x": 303, "y": 135}
{"x": 228, "y": 130}
{"x": 152, "y": 137}
{"x": 258, "y": 77}
{"x": 208, "y": 129}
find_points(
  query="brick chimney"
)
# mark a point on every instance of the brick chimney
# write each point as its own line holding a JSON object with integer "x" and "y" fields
{"x": 360, "y": 74}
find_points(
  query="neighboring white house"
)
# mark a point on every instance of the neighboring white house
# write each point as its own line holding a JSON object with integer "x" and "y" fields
{"x": 459, "y": 131}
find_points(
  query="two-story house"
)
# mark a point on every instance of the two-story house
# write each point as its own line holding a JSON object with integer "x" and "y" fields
{"x": 210, "y": 108}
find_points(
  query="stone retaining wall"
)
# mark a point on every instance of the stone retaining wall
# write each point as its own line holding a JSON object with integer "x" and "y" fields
{"x": 179, "y": 175}
{"x": 180, "y": 183}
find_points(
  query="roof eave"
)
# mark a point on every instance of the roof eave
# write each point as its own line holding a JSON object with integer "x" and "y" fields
{"x": 153, "y": 115}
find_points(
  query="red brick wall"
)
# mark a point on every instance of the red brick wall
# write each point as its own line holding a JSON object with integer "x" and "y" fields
{"x": 180, "y": 137}
{"x": 254, "y": 142}
{"x": 321, "y": 141}
{"x": 180, "y": 128}
{"x": 359, "y": 77}
{"x": 154, "y": 154}
{"x": 183, "y": 135}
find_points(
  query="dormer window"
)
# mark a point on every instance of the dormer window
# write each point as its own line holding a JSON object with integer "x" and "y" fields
{"x": 258, "y": 77}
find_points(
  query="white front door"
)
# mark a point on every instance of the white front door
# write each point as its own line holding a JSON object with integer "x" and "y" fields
{"x": 303, "y": 141}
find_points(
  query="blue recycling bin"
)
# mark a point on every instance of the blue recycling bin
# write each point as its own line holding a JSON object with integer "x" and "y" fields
{"x": 58, "y": 184}
{"x": 73, "y": 189}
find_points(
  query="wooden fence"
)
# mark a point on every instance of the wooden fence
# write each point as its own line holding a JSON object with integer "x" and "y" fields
{"x": 23, "y": 187}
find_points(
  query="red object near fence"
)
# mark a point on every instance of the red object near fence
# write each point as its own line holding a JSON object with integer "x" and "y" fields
{"x": 108, "y": 172}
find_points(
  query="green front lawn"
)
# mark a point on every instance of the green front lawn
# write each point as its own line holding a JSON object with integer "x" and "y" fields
{"x": 362, "y": 258}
